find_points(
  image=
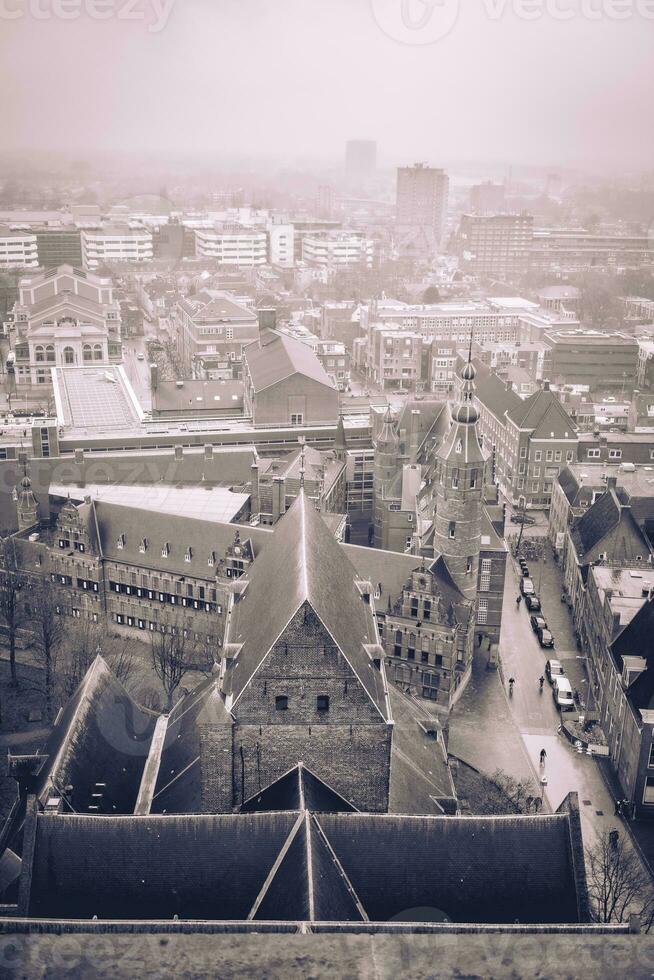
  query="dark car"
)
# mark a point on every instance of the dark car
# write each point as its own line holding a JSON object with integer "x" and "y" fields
{"x": 525, "y": 571}
{"x": 532, "y": 603}
{"x": 546, "y": 639}
{"x": 527, "y": 586}
{"x": 522, "y": 519}
{"x": 537, "y": 623}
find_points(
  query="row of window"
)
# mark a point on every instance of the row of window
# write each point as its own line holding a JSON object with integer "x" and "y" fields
{"x": 164, "y": 597}
{"x": 122, "y": 619}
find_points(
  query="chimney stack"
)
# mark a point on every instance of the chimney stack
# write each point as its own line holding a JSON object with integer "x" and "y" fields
{"x": 278, "y": 497}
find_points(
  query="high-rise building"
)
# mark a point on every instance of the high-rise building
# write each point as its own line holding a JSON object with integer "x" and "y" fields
{"x": 59, "y": 246}
{"x": 360, "y": 160}
{"x": 422, "y": 194}
{"x": 496, "y": 245}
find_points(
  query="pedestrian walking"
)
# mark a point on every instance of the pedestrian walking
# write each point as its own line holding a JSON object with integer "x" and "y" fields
{"x": 543, "y": 757}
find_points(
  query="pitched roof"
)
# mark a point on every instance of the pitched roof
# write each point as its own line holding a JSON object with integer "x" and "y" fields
{"x": 301, "y": 866}
{"x": 608, "y": 521}
{"x": 636, "y": 640}
{"x": 178, "y": 531}
{"x": 277, "y": 356}
{"x": 298, "y": 789}
{"x": 303, "y": 563}
{"x": 543, "y": 413}
{"x": 493, "y": 394}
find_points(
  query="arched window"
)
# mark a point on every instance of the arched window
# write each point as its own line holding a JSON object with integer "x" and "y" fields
{"x": 50, "y": 353}
{"x": 39, "y": 354}
{"x": 97, "y": 352}
{"x": 69, "y": 355}
{"x": 398, "y": 637}
{"x": 87, "y": 353}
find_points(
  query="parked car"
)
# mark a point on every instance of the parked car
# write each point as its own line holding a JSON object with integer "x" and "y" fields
{"x": 522, "y": 519}
{"x": 527, "y": 587}
{"x": 554, "y": 669}
{"x": 562, "y": 694}
{"x": 532, "y": 603}
{"x": 525, "y": 571}
{"x": 537, "y": 623}
{"x": 140, "y": 356}
{"x": 546, "y": 639}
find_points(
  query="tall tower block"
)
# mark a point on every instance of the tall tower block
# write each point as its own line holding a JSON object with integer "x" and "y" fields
{"x": 387, "y": 446}
{"x": 460, "y": 476}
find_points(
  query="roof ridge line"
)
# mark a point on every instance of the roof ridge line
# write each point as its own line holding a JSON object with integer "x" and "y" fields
{"x": 323, "y": 838}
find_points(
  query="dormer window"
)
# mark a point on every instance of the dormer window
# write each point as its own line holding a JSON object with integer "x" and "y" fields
{"x": 120, "y": 543}
{"x": 211, "y": 560}
{"x": 459, "y": 447}
{"x": 189, "y": 555}
{"x": 143, "y": 547}
{"x": 165, "y": 551}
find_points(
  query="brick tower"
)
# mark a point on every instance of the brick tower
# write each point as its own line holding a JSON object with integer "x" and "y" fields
{"x": 459, "y": 477}
{"x": 387, "y": 447}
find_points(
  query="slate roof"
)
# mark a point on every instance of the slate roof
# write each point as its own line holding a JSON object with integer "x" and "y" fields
{"x": 178, "y": 531}
{"x": 544, "y": 414}
{"x": 300, "y": 866}
{"x": 493, "y": 394}
{"x": 298, "y": 789}
{"x": 608, "y": 522}
{"x": 636, "y": 640}
{"x": 303, "y": 563}
{"x": 277, "y": 356}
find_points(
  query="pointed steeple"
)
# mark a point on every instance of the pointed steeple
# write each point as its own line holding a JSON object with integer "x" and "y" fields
{"x": 27, "y": 506}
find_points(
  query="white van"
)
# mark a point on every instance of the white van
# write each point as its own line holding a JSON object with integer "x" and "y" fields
{"x": 562, "y": 693}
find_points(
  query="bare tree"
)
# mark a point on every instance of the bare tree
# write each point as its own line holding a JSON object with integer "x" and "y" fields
{"x": 84, "y": 641}
{"x": 173, "y": 654}
{"x": 12, "y": 583}
{"x": 508, "y": 794}
{"x": 47, "y": 628}
{"x": 618, "y": 884}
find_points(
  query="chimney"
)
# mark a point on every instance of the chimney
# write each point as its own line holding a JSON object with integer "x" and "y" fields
{"x": 179, "y": 452}
{"x": 278, "y": 497}
{"x": 208, "y": 451}
{"x": 154, "y": 377}
{"x": 611, "y": 482}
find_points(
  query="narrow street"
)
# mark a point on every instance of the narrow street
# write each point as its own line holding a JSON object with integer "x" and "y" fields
{"x": 491, "y": 730}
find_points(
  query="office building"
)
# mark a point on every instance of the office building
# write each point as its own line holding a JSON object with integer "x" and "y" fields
{"x": 334, "y": 249}
{"x": 211, "y": 329}
{"x": 115, "y": 244}
{"x": 594, "y": 358}
{"x": 60, "y": 245}
{"x": 232, "y": 245}
{"x": 18, "y": 249}
{"x": 487, "y": 198}
{"x": 495, "y": 246}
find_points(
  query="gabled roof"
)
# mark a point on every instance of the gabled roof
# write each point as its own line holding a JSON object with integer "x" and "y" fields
{"x": 298, "y": 789}
{"x": 636, "y": 640}
{"x": 544, "y": 414}
{"x": 608, "y": 521}
{"x": 276, "y": 357}
{"x": 303, "y": 563}
{"x": 493, "y": 394}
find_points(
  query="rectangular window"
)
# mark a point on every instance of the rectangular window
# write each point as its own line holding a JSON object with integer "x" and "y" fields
{"x": 281, "y": 702}
{"x": 482, "y": 611}
{"x": 549, "y": 456}
{"x": 650, "y": 763}
{"x": 484, "y": 582}
{"x": 452, "y": 529}
{"x": 322, "y": 702}
{"x": 486, "y": 564}
{"x": 297, "y": 418}
{"x": 648, "y": 794}
{"x": 593, "y": 453}
{"x": 538, "y": 456}
{"x": 615, "y": 454}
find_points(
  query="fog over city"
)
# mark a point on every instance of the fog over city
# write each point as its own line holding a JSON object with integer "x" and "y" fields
{"x": 326, "y": 489}
{"x": 564, "y": 83}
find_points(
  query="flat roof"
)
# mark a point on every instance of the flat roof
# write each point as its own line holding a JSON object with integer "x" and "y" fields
{"x": 206, "y": 502}
{"x": 99, "y": 399}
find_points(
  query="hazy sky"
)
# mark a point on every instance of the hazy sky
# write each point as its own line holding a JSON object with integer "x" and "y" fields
{"x": 296, "y": 78}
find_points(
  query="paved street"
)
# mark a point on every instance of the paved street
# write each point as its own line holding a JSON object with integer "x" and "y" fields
{"x": 138, "y": 371}
{"x": 491, "y": 730}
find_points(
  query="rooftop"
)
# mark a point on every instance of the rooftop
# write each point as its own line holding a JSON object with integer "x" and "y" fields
{"x": 276, "y": 357}
{"x": 204, "y": 502}
{"x": 99, "y": 399}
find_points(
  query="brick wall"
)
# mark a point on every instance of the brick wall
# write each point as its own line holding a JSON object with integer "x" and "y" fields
{"x": 216, "y": 747}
